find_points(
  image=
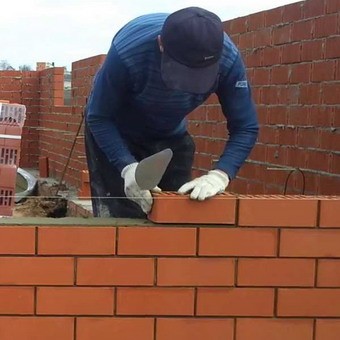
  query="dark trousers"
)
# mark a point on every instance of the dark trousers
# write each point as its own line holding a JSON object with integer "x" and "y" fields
{"x": 107, "y": 186}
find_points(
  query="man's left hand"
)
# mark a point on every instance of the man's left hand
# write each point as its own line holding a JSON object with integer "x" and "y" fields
{"x": 209, "y": 185}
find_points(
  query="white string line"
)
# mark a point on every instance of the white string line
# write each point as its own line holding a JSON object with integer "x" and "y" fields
{"x": 168, "y": 196}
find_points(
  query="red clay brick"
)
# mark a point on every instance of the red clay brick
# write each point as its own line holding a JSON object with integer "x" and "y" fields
{"x": 24, "y": 240}
{"x": 169, "y": 207}
{"x": 327, "y": 329}
{"x": 274, "y": 329}
{"x": 195, "y": 329}
{"x": 312, "y": 50}
{"x": 330, "y": 213}
{"x": 273, "y": 16}
{"x": 302, "y": 30}
{"x": 272, "y": 211}
{"x": 115, "y": 271}
{"x": 309, "y": 302}
{"x": 314, "y": 8}
{"x": 310, "y": 243}
{"x": 310, "y": 94}
{"x": 115, "y": 328}
{"x": 239, "y": 25}
{"x": 277, "y": 115}
{"x": 35, "y": 328}
{"x": 336, "y": 161}
{"x": 323, "y": 71}
{"x": 330, "y": 140}
{"x": 43, "y": 167}
{"x": 292, "y": 12}
{"x": 155, "y": 301}
{"x": 331, "y": 92}
{"x": 76, "y": 240}
{"x": 7, "y": 186}
{"x": 36, "y": 271}
{"x": 308, "y": 137}
{"x": 85, "y": 187}
{"x": 237, "y": 242}
{"x": 271, "y": 56}
{"x": 157, "y": 241}
{"x": 246, "y": 40}
{"x": 276, "y": 272}
{"x": 332, "y": 6}
{"x": 329, "y": 273}
{"x": 16, "y": 300}
{"x": 280, "y": 74}
{"x": 255, "y": 58}
{"x": 286, "y": 136}
{"x": 200, "y": 113}
{"x": 75, "y": 301}
{"x": 291, "y": 53}
{"x": 262, "y": 37}
{"x": 300, "y": 73}
{"x": 256, "y": 21}
{"x": 326, "y": 25}
{"x": 193, "y": 272}
{"x": 281, "y": 34}
{"x": 333, "y": 47}
{"x": 235, "y": 301}
{"x": 9, "y": 149}
{"x": 268, "y": 135}
{"x": 269, "y": 96}
{"x": 319, "y": 160}
{"x": 329, "y": 185}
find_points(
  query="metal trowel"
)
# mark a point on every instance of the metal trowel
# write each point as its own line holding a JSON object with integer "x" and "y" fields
{"x": 150, "y": 170}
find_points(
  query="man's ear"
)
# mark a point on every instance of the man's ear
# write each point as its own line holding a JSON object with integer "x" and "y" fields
{"x": 161, "y": 48}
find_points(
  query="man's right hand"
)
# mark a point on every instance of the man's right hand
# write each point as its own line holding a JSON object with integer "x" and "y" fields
{"x": 133, "y": 192}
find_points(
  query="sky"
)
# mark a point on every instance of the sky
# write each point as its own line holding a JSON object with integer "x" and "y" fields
{"x": 63, "y": 31}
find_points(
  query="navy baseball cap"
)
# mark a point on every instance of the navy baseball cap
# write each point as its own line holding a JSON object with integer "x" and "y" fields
{"x": 192, "y": 39}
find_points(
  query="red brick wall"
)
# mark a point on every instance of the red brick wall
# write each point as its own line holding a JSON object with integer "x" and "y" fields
{"x": 292, "y": 55}
{"x": 51, "y": 127}
{"x": 57, "y": 127}
{"x": 60, "y": 123}
{"x": 256, "y": 279}
{"x": 83, "y": 72}
{"x": 51, "y": 88}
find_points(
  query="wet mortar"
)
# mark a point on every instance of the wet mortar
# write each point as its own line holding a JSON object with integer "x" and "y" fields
{"x": 43, "y": 202}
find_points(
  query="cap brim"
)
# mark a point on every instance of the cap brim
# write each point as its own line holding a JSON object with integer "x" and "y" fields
{"x": 193, "y": 80}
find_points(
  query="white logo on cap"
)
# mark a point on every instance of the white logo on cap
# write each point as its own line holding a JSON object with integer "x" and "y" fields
{"x": 209, "y": 57}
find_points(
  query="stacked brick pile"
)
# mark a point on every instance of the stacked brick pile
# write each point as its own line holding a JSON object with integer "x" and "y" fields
{"x": 12, "y": 118}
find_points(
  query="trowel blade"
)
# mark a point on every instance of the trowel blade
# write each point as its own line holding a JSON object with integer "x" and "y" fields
{"x": 150, "y": 170}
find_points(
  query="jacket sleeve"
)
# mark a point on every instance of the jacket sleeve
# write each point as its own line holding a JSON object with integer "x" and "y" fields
{"x": 234, "y": 93}
{"x": 106, "y": 101}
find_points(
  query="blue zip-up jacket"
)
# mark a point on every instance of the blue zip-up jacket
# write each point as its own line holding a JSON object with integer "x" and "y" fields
{"x": 130, "y": 101}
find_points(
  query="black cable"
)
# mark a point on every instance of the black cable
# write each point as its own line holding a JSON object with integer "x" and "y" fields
{"x": 303, "y": 180}
{"x": 71, "y": 150}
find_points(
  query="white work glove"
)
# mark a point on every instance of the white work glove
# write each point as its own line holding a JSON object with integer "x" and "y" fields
{"x": 133, "y": 192}
{"x": 215, "y": 182}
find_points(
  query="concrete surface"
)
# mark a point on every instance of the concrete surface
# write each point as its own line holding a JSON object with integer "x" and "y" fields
{"x": 74, "y": 221}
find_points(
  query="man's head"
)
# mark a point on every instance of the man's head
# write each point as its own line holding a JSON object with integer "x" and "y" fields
{"x": 191, "y": 41}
